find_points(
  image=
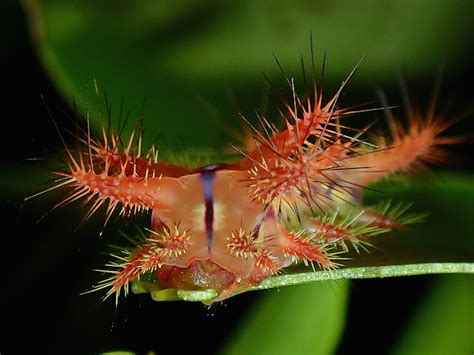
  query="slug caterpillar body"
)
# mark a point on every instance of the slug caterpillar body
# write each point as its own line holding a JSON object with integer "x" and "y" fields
{"x": 293, "y": 196}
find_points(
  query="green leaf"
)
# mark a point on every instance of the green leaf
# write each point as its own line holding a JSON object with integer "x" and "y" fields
{"x": 307, "y": 319}
{"x": 297, "y": 277}
{"x": 444, "y": 322}
{"x": 365, "y": 273}
{"x": 174, "y": 53}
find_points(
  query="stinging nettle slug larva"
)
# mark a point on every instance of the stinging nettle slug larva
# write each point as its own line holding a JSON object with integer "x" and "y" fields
{"x": 293, "y": 196}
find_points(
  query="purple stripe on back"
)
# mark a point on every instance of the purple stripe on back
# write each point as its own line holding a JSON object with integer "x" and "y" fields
{"x": 207, "y": 178}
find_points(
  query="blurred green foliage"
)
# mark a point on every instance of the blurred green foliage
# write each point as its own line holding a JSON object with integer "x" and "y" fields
{"x": 444, "y": 322}
{"x": 306, "y": 319}
{"x": 179, "y": 54}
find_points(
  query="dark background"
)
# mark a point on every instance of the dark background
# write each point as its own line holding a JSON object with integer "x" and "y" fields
{"x": 47, "y": 265}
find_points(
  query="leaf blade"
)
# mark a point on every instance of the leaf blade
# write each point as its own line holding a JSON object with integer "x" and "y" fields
{"x": 447, "y": 313}
{"x": 308, "y": 319}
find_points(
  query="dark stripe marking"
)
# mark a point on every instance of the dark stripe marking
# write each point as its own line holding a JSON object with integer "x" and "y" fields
{"x": 207, "y": 178}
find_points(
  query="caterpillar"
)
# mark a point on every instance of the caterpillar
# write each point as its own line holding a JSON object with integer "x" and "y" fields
{"x": 292, "y": 196}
